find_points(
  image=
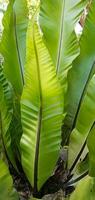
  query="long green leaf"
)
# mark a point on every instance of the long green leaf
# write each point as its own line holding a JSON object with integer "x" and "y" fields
{"x": 41, "y": 112}
{"x": 57, "y": 20}
{"x": 13, "y": 48}
{"x": 13, "y": 43}
{"x": 10, "y": 120}
{"x": 6, "y": 112}
{"x": 84, "y": 123}
{"x": 81, "y": 73}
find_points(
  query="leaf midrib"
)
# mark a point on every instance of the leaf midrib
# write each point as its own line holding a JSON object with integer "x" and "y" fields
{"x": 39, "y": 118}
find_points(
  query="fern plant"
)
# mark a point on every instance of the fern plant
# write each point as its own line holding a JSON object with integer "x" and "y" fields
{"x": 47, "y": 96}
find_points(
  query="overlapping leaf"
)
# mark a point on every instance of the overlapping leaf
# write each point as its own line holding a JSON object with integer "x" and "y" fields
{"x": 80, "y": 108}
{"x": 57, "y": 20}
{"x": 41, "y": 112}
{"x": 13, "y": 43}
{"x": 85, "y": 120}
{"x": 6, "y": 112}
{"x": 13, "y": 48}
{"x": 81, "y": 72}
